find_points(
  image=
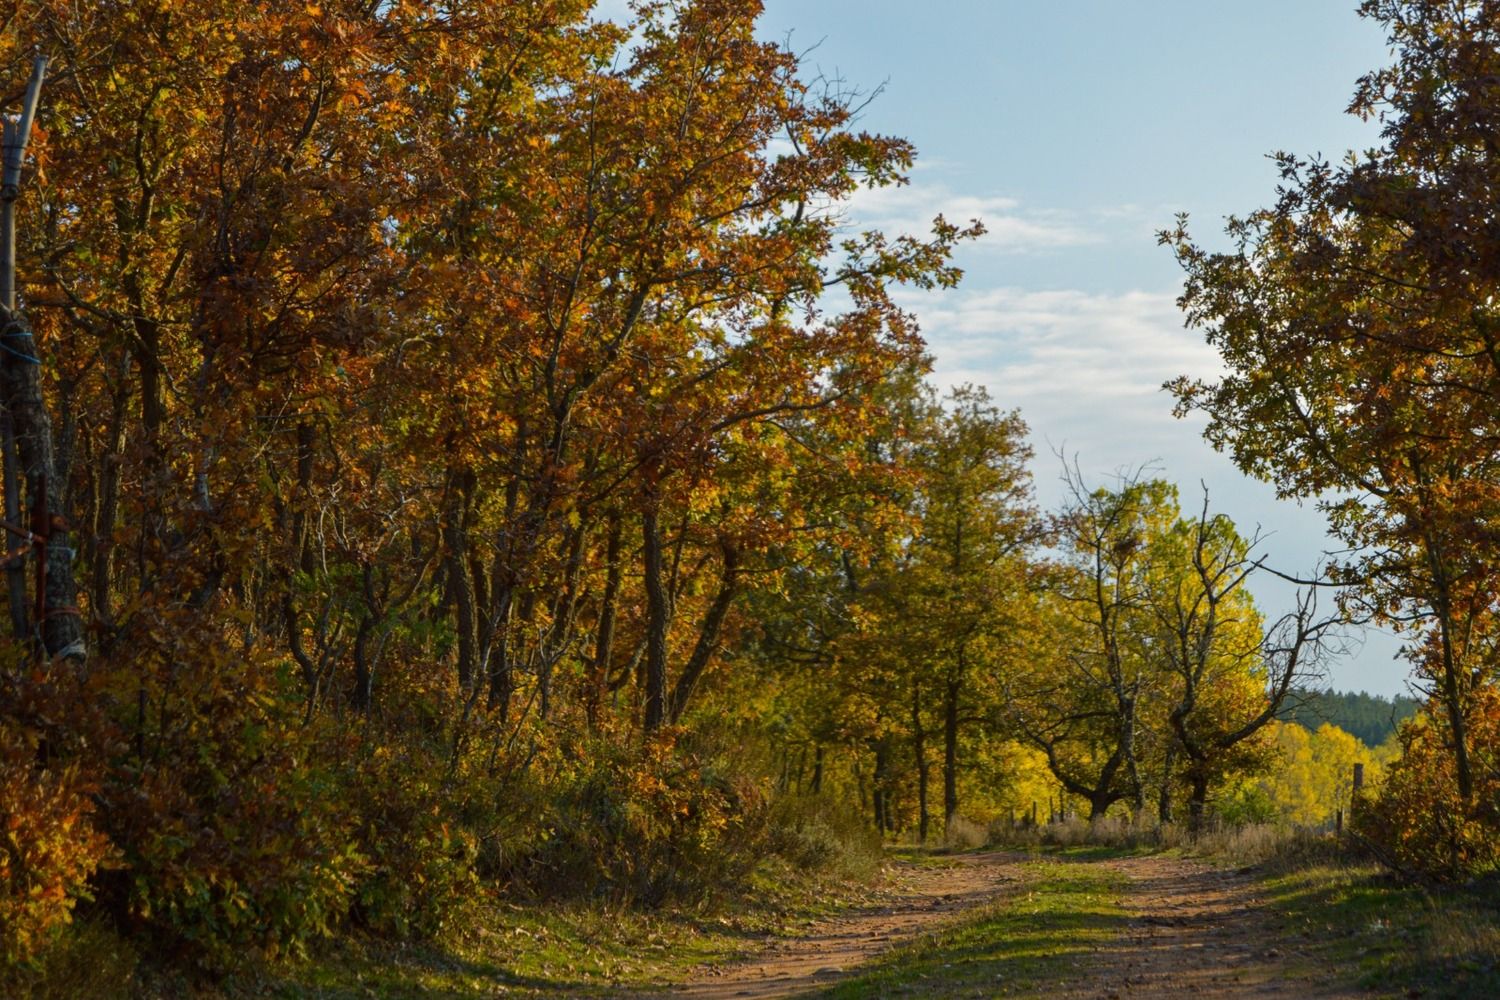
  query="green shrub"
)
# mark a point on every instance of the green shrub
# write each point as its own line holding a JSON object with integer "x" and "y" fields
{"x": 671, "y": 819}
{"x": 820, "y": 832}
{"x": 422, "y": 860}
{"x": 229, "y": 823}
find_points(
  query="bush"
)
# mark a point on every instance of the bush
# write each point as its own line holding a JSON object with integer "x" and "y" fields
{"x": 52, "y": 845}
{"x": 819, "y": 832}
{"x": 1418, "y": 821}
{"x": 1247, "y": 804}
{"x": 667, "y": 820}
{"x": 228, "y": 822}
{"x": 422, "y": 862}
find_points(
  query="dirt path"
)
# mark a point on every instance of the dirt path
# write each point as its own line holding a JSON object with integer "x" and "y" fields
{"x": 1194, "y": 930}
{"x": 923, "y": 895}
{"x": 1189, "y": 930}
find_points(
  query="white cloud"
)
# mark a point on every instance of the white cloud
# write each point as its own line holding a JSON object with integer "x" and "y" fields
{"x": 1010, "y": 227}
{"x": 1079, "y": 364}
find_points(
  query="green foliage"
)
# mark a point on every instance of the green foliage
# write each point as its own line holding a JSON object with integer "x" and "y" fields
{"x": 230, "y": 828}
{"x": 1245, "y": 804}
{"x": 421, "y": 857}
{"x": 1371, "y": 718}
{"x": 672, "y": 818}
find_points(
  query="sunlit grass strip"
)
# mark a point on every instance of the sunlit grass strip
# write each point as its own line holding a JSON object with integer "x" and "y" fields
{"x": 1393, "y": 938}
{"x": 1036, "y": 935}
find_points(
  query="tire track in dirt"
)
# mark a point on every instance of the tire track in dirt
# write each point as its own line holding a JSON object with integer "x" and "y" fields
{"x": 923, "y": 897}
{"x": 1188, "y": 929}
{"x": 1195, "y": 930}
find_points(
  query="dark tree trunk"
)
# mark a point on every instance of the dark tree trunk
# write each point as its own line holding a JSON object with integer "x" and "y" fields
{"x": 919, "y": 750}
{"x": 658, "y": 617}
{"x": 604, "y": 637}
{"x": 456, "y": 540}
{"x": 1197, "y": 801}
{"x": 951, "y": 693}
{"x": 62, "y": 630}
{"x": 708, "y": 634}
{"x": 1164, "y": 797}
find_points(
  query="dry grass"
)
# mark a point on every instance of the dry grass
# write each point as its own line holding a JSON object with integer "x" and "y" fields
{"x": 962, "y": 834}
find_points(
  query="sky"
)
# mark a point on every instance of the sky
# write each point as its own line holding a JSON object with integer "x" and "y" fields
{"x": 1075, "y": 131}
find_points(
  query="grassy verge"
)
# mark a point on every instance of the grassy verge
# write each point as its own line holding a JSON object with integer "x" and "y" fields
{"x": 499, "y": 949}
{"x": 1038, "y": 935}
{"x": 1391, "y": 938}
{"x": 573, "y": 950}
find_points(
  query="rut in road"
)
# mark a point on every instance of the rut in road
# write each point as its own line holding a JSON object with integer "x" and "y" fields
{"x": 1199, "y": 931}
{"x": 925, "y": 895}
{"x": 1189, "y": 929}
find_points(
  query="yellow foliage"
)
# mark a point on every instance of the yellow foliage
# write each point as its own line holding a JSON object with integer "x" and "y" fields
{"x": 1316, "y": 772}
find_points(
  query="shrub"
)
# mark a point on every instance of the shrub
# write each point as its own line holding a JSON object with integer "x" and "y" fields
{"x": 421, "y": 860}
{"x": 228, "y": 821}
{"x": 1418, "y": 819}
{"x": 51, "y": 844}
{"x": 668, "y": 820}
{"x": 820, "y": 832}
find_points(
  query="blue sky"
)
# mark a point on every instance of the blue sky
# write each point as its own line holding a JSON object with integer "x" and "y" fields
{"x": 1075, "y": 130}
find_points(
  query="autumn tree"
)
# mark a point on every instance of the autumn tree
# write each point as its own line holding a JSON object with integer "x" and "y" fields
{"x": 967, "y": 571}
{"x": 1084, "y": 701}
{"x": 1356, "y": 321}
{"x": 1228, "y": 674}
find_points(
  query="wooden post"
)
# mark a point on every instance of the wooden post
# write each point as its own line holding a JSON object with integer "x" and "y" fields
{"x": 1338, "y": 822}
{"x": 1359, "y": 782}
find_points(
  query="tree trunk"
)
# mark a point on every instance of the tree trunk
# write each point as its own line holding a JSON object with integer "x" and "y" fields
{"x": 62, "y": 630}
{"x": 1164, "y": 797}
{"x": 455, "y": 539}
{"x": 708, "y": 634}
{"x": 1197, "y": 801}
{"x": 950, "y": 751}
{"x": 658, "y": 616}
{"x": 604, "y": 636}
{"x": 883, "y": 819}
{"x": 919, "y": 749}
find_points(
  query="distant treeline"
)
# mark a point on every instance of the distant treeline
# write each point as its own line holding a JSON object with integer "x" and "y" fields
{"x": 1369, "y": 717}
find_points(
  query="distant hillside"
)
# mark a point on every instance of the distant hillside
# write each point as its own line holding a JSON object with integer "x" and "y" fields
{"x": 1370, "y": 717}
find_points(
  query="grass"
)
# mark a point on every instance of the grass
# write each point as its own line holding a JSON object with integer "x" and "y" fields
{"x": 504, "y": 950}
{"x": 565, "y": 949}
{"x": 1391, "y": 938}
{"x": 1035, "y": 936}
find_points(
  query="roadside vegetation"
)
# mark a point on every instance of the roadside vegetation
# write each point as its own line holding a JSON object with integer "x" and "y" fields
{"x": 484, "y": 516}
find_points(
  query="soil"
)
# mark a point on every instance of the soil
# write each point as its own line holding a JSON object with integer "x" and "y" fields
{"x": 919, "y": 897}
{"x": 1199, "y": 931}
{"x": 1191, "y": 930}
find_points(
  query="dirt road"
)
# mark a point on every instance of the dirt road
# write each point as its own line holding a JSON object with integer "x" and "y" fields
{"x": 1189, "y": 929}
{"x": 1195, "y": 930}
{"x": 921, "y": 896}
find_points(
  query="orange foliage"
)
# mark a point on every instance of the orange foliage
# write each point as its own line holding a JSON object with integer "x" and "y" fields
{"x": 1418, "y": 817}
